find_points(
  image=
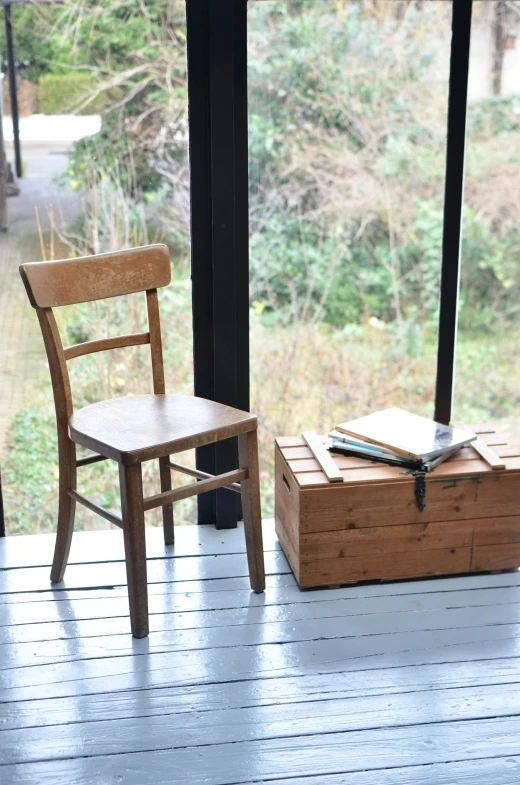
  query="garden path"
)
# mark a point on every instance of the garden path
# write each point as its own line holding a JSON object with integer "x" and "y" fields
{"x": 22, "y": 356}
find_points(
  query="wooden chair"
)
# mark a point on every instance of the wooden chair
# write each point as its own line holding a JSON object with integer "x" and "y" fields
{"x": 134, "y": 429}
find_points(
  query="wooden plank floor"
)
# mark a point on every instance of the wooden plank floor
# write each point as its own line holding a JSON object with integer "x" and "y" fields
{"x": 410, "y": 683}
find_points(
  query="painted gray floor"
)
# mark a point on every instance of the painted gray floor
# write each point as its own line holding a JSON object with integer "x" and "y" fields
{"x": 410, "y": 683}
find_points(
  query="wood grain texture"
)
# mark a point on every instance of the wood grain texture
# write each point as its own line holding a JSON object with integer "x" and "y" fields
{"x": 416, "y": 536}
{"x": 379, "y": 473}
{"x": 490, "y": 434}
{"x": 369, "y": 542}
{"x": 410, "y": 564}
{"x": 496, "y": 557}
{"x": 295, "y": 447}
{"x": 359, "y": 635}
{"x": 66, "y": 448}
{"x": 90, "y": 459}
{"x": 370, "y": 527}
{"x": 56, "y": 283}
{"x": 167, "y": 509}
{"x": 309, "y": 474}
{"x": 89, "y": 504}
{"x": 484, "y": 450}
{"x": 394, "y": 504}
{"x": 141, "y": 427}
{"x": 189, "y": 470}
{"x": 287, "y": 511}
{"x": 131, "y": 486}
{"x": 154, "y": 325}
{"x": 322, "y": 457}
{"x": 251, "y": 509}
{"x": 195, "y": 488}
{"x": 301, "y": 460}
{"x": 105, "y": 344}
{"x": 489, "y": 455}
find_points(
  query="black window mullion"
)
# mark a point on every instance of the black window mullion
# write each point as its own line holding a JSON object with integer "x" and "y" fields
{"x": 453, "y": 204}
{"x": 197, "y": 23}
{"x": 217, "y": 88}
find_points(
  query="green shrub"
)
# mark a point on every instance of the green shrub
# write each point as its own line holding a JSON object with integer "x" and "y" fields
{"x": 64, "y": 93}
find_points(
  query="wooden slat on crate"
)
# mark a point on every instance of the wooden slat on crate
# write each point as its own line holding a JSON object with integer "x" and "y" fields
{"x": 322, "y": 457}
{"x": 484, "y": 450}
{"x": 289, "y": 441}
{"x": 385, "y": 539}
{"x": 497, "y": 531}
{"x": 289, "y": 550}
{"x": 379, "y": 473}
{"x": 446, "y": 561}
{"x": 489, "y": 455}
{"x": 392, "y": 504}
{"x": 496, "y": 557}
{"x": 287, "y": 500}
{"x": 416, "y": 536}
{"x": 302, "y": 452}
{"x": 492, "y": 437}
{"x": 309, "y": 464}
{"x": 294, "y": 453}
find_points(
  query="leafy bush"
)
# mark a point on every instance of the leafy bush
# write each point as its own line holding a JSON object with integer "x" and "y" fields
{"x": 67, "y": 93}
{"x": 347, "y": 140}
{"x": 497, "y": 115}
{"x": 35, "y": 43}
{"x": 137, "y": 52}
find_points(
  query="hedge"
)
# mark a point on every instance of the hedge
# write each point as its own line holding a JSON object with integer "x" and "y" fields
{"x": 63, "y": 93}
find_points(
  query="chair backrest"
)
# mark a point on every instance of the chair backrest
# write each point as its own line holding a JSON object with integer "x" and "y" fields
{"x": 88, "y": 278}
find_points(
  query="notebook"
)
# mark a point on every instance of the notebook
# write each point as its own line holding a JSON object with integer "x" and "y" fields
{"x": 407, "y": 434}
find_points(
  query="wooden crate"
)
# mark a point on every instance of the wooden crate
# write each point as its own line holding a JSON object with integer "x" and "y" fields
{"x": 370, "y": 527}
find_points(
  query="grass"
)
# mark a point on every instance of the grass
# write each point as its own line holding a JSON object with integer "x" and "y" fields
{"x": 301, "y": 377}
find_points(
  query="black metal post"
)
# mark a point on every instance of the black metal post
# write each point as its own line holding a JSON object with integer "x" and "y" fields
{"x": 13, "y": 94}
{"x": 453, "y": 203}
{"x": 217, "y": 90}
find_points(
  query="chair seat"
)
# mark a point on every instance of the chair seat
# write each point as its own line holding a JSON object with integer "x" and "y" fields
{"x": 140, "y": 427}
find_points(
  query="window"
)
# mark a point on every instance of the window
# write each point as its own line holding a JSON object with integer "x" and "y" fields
{"x": 347, "y": 146}
{"x": 103, "y": 99}
{"x": 488, "y": 353}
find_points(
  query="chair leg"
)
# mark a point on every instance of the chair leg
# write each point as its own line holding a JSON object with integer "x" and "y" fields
{"x": 66, "y": 508}
{"x": 131, "y": 484}
{"x": 250, "y": 493}
{"x": 167, "y": 510}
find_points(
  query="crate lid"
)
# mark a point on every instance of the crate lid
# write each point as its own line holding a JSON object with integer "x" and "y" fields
{"x": 467, "y": 462}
